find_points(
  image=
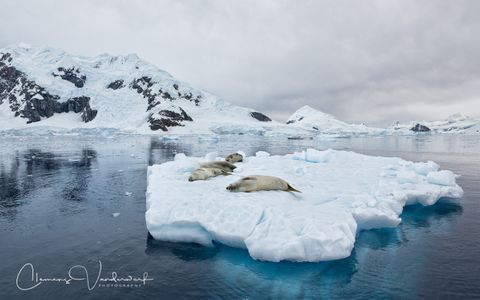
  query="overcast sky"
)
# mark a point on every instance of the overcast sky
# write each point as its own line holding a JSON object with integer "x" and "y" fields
{"x": 362, "y": 61}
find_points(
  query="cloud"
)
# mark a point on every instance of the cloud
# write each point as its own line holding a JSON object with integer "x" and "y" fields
{"x": 363, "y": 61}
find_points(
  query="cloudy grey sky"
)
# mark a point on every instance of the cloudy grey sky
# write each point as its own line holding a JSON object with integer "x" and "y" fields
{"x": 363, "y": 61}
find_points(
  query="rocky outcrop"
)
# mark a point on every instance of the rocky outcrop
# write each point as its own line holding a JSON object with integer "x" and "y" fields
{"x": 167, "y": 118}
{"x": 420, "y": 128}
{"x": 260, "y": 117}
{"x": 37, "y": 83}
{"x": 115, "y": 85}
{"x": 293, "y": 121}
{"x": 30, "y": 101}
{"x": 72, "y": 75}
{"x": 155, "y": 95}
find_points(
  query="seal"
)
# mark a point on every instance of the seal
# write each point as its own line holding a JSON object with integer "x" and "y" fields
{"x": 205, "y": 173}
{"x": 254, "y": 183}
{"x": 234, "y": 157}
{"x": 222, "y": 165}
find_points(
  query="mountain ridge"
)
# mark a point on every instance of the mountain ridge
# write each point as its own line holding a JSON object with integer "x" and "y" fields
{"x": 49, "y": 86}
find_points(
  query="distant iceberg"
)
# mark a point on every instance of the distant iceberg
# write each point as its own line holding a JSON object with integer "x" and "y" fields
{"x": 456, "y": 123}
{"x": 342, "y": 193}
{"x": 314, "y": 120}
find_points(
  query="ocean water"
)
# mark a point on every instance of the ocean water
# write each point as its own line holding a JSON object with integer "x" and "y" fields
{"x": 75, "y": 203}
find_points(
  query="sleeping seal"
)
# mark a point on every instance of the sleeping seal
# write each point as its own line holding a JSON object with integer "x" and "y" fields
{"x": 234, "y": 157}
{"x": 254, "y": 183}
{"x": 222, "y": 165}
{"x": 205, "y": 173}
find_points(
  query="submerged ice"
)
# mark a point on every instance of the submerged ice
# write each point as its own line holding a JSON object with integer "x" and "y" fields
{"x": 342, "y": 193}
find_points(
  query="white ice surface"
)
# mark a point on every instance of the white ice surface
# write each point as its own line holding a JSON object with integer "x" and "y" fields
{"x": 314, "y": 120}
{"x": 342, "y": 193}
{"x": 456, "y": 123}
{"x": 124, "y": 108}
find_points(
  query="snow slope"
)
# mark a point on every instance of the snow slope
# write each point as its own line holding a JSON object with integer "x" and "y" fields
{"x": 311, "y": 119}
{"x": 342, "y": 193}
{"x": 48, "y": 87}
{"x": 457, "y": 123}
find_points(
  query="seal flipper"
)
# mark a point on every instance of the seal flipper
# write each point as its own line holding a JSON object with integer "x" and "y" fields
{"x": 292, "y": 189}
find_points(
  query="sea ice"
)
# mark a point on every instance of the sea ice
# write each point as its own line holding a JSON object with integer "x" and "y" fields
{"x": 342, "y": 193}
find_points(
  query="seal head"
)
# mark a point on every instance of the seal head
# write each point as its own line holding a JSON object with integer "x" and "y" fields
{"x": 234, "y": 157}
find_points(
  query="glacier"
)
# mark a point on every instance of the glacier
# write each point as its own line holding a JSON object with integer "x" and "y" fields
{"x": 43, "y": 87}
{"x": 308, "y": 118}
{"x": 342, "y": 193}
{"x": 456, "y": 123}
{"x": 50, "y": 90}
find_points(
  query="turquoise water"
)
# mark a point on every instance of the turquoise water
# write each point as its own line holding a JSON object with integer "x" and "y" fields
{"x": 58, "y": 196}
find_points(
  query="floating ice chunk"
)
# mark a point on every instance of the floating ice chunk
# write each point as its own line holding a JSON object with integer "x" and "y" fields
{"x": 208, "y": 139}
{"x": 262, "y": 154}
{"x": 315, "y": 156}
{"x": 128, "y": 193}
{"x": 444, "y": 177}
{"x": 115, "y": 214}
{"x": 342, "y": 193}
{"x": 425, "y": 168}
{"x": 180, "y": 156}
{"x": 298, "y": 155}
{"x": 168, "y": 138}
{"x": 211, "y": 156}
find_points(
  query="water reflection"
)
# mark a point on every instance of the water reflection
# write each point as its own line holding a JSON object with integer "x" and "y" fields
{"x": 427, "y": 216}
{"x": 34, "y": 169}
{"x": 50, "y": 187}
{"x": 76, "y": 182}
{"x": 183, "y": 251}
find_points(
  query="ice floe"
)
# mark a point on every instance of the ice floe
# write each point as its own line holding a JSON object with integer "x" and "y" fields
{"x": 342, "y": 193}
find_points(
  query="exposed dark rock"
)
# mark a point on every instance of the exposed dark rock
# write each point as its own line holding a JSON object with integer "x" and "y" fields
{"x": 166, "y": 95}
{"x": 260, "y": 117}
{"x": 115, "y": 85}
{"x": 167, "y": 118}
{"x": 31, "y": 101}
{"x": 72, "y": 75}
{"x": 293, "y": 121}
{"x": 88, "y": 114}
{"x": 182, "y": 116}
{"x": 145, "y": 86}
{"x": 420, "y": 128}
{"x": 35, "y": 109}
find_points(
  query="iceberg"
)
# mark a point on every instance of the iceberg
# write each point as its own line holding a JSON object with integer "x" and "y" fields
{"x": 342, "y": 193}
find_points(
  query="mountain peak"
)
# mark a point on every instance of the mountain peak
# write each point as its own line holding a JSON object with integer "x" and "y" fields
{"x": 309, "y": 118}
{"x": 44, "y": 85}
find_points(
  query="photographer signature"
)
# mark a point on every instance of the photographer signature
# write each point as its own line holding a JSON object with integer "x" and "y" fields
{"x": 81, "y": 274}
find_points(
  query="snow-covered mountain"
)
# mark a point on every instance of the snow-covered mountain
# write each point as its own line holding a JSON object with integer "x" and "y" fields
{"x": 311, "y": 119}
{"x": 48, "y": 87}
{"x": 457, "y": 123}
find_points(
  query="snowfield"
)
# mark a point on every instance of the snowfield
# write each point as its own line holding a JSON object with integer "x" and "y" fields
{"x": 48, "y": 89}
{"x": 342, "y": 193}
{"x": 125, "y": 93}
{"x": 310, "y": 119}
{"x": 456, "y": 123}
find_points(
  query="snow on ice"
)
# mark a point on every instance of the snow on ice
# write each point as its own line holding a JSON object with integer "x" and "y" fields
{"x": 342, "y": 193}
